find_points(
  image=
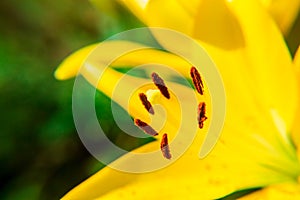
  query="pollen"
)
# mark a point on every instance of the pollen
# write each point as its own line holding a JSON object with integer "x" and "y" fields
{"x": 160, "y": 84}
{"x": 164, "y": 146}
{"x": 146, "y": 103}
{"x": 145, "y": 127}
{"x": 201, "y": 114}
{"x": 197, "y": 80}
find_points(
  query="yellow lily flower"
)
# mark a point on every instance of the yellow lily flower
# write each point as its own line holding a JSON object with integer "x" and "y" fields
{"x": 259, "y": 144}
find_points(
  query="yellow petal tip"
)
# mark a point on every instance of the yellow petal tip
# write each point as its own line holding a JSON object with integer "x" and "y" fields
{"x": 59, "y": 75}
{"x": 70, "y": 66}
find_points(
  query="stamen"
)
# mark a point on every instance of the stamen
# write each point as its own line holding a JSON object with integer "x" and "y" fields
{"x": 160, "y": 84}
{"x": 164, "y": 146}
{"x": 145, "y": 127}
{"x": 146, "y": 103}
{"x": 197, "y": 80}
{"x": 201, "y": 114}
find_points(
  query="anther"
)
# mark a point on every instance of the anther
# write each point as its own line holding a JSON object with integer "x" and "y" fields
{"x": 145, "y": 127}
{"x": 146, "y": 103}
{"x": 201, "y": 114}
{"x": 160, "y": 84}
{"x": 197, "y": 80}
{"x": 164, "y": 146}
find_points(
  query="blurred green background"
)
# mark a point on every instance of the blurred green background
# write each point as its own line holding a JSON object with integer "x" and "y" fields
{"x": 40, "y": 153}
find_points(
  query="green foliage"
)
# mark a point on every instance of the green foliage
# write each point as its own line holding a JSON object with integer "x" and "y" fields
{"x": 293, "y": 38}
{"x": 239, "y": 194}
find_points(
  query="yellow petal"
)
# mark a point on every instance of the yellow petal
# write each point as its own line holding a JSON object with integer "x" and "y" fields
{"x": 284, "y": 12}
{"x": 190, "y": 6}
{"x": 169, "y": 14}
{"x": 216, "y": 25}
{"x": 268, "y": 74}
{"x": 262, "y": 58}
{"x": 187, "y": 178}
{"x": 287, "y": 191}
{"x": 70, "y": 65}
{"x": 139, "y": 56}
{"x": 272, "y": 75}
{"x": 296, "y": 60}
{"x": 146, "y": 11}
{"x": 146, "y": 56}
{"x": 296, "y": 126}
{"x": 137, "y": 7}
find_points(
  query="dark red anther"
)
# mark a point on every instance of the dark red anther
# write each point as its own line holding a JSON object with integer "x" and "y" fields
{"x": 197, "y": 80}
{"x": 145, "y": 127}
{"x": 164, "y": 146}
{"x": 201, "y": 114}
{"x": 160, "y": 84}
{"x": 146, "y": 103}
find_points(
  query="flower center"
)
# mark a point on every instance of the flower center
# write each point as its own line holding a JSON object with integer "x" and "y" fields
{"x": 152, "y": 96}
